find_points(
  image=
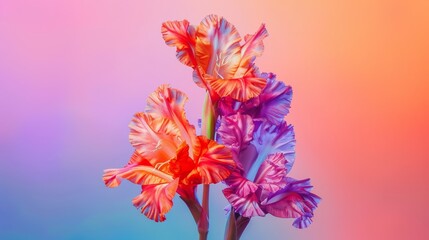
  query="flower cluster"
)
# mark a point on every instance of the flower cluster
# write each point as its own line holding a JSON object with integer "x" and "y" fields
{"x": 251, "y": 106}
{"x": 254, "y": 150}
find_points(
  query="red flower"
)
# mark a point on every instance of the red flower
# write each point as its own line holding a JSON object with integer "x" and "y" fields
{"x": 168, "y": 156}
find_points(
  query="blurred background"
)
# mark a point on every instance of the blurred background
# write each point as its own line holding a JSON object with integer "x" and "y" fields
{"x": 72, "y": 74}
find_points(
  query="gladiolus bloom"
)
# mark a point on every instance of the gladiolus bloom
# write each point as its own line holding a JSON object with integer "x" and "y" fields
{"x": 263, "y": 146}
{"x": 221, "y": 64}
{"x": 169, "y": 157}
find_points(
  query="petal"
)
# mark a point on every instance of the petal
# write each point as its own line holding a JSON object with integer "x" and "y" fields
{"x": 252, "y": 48}
{"x": 135, "y": 173}
{"x": 236, "y": 131}
{"x": 136, "y": 158}
{"x": 247, "y": 157}
{"x": 197, "y": 76}
{"x": 270, "y": 139}
{"x": 241, "y": 89}
{"x": 276, "y": 99}
{"x": 304, "y": 221}
{"x": 228, "y": 106}
{"x": 182, "y": 164}
{"x": 156, "y": 199}
{"x": 271, "y": 173}
{"x": 218, "y": 47}
{"x": 169, "y": 103}
{"x": 187, "y": 191}
{"x": 246, "y": 206}
{"x": 181, "y": 35}
{"x": 293, "y": 201}
{"x": 272, "y": 104}
{"x": 240, "y": 185}
{"x": 156, "y": 139}
{"x": 214, "y": 161}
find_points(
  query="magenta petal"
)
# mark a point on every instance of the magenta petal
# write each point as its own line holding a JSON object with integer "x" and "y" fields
{"x": 271, "y": 173}
{"x": 228, "y": 106}
{"x": 236, "y": 131}
{"x": 240, "y": 184}
{"x": 293, "y": 201}
{"x": 247, "y": 158}
{"x": 246, "y": 206}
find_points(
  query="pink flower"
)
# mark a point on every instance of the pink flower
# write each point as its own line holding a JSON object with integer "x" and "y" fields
{"x": 264, "y": 154}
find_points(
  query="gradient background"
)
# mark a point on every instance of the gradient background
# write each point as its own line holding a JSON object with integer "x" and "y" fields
{"x": 72, "y": 73}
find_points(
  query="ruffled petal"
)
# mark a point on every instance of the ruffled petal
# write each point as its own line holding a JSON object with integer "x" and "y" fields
{"x": 214, "y": 162}
{"x": 240, "y": 185}
{"x": 276, "y": 99}
{"x": 271, "y": 173}
{"x": 252, "y": 48}
{"x": 247, "y": 206}
{"x": 293, "y": 201}
{"x": 197, "y": 76}
{"x": 304, "y": 221}
{"x": 156, "y": 139}
{"x": 136, "y": 158}
{"x": 271, "y": 139}
{"x": 228, "y": 106}
{"x": 135, "y": 173}
{"x": 218, "y": 47}
{"x": 241, "y": 88}
{"x": 156, "y": 200}
{"x": 182, "y": 164}
{"x": 236, "y": 132}
{"x": 169, "y": 103}
{"x": 181, "y": 35}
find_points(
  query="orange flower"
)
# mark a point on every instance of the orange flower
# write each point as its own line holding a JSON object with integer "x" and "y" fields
{"x": 221, "y": 64}
{"x": 169, "y": 157}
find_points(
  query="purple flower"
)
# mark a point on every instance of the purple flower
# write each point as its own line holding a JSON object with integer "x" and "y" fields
{"x": 263, "y": 147}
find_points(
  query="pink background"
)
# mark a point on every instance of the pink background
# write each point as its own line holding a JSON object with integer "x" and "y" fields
{"x": 72, "y": 73}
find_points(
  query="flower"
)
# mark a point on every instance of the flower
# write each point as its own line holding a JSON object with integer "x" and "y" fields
{"x": 221, "y": 64}
{"x": 169, "y": 157}
{"x": 271, "y": 105}
{"x": 263, "y": 146}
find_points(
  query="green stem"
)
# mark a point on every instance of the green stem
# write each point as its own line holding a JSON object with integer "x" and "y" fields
{"x": 209, "y": 118}
{"x": 208, "y": 130}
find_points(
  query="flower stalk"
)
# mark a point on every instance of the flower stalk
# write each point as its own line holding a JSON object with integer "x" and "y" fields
{"x": 256, "y": 148}
{"x": 231, "y": 226}
{"x": 208, "y": 130}
{"x": 194, "y": 207}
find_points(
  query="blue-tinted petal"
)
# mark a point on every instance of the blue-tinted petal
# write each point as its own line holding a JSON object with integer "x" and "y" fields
{"x": 271, "y": 139}
{"x": 274, "y": 102}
